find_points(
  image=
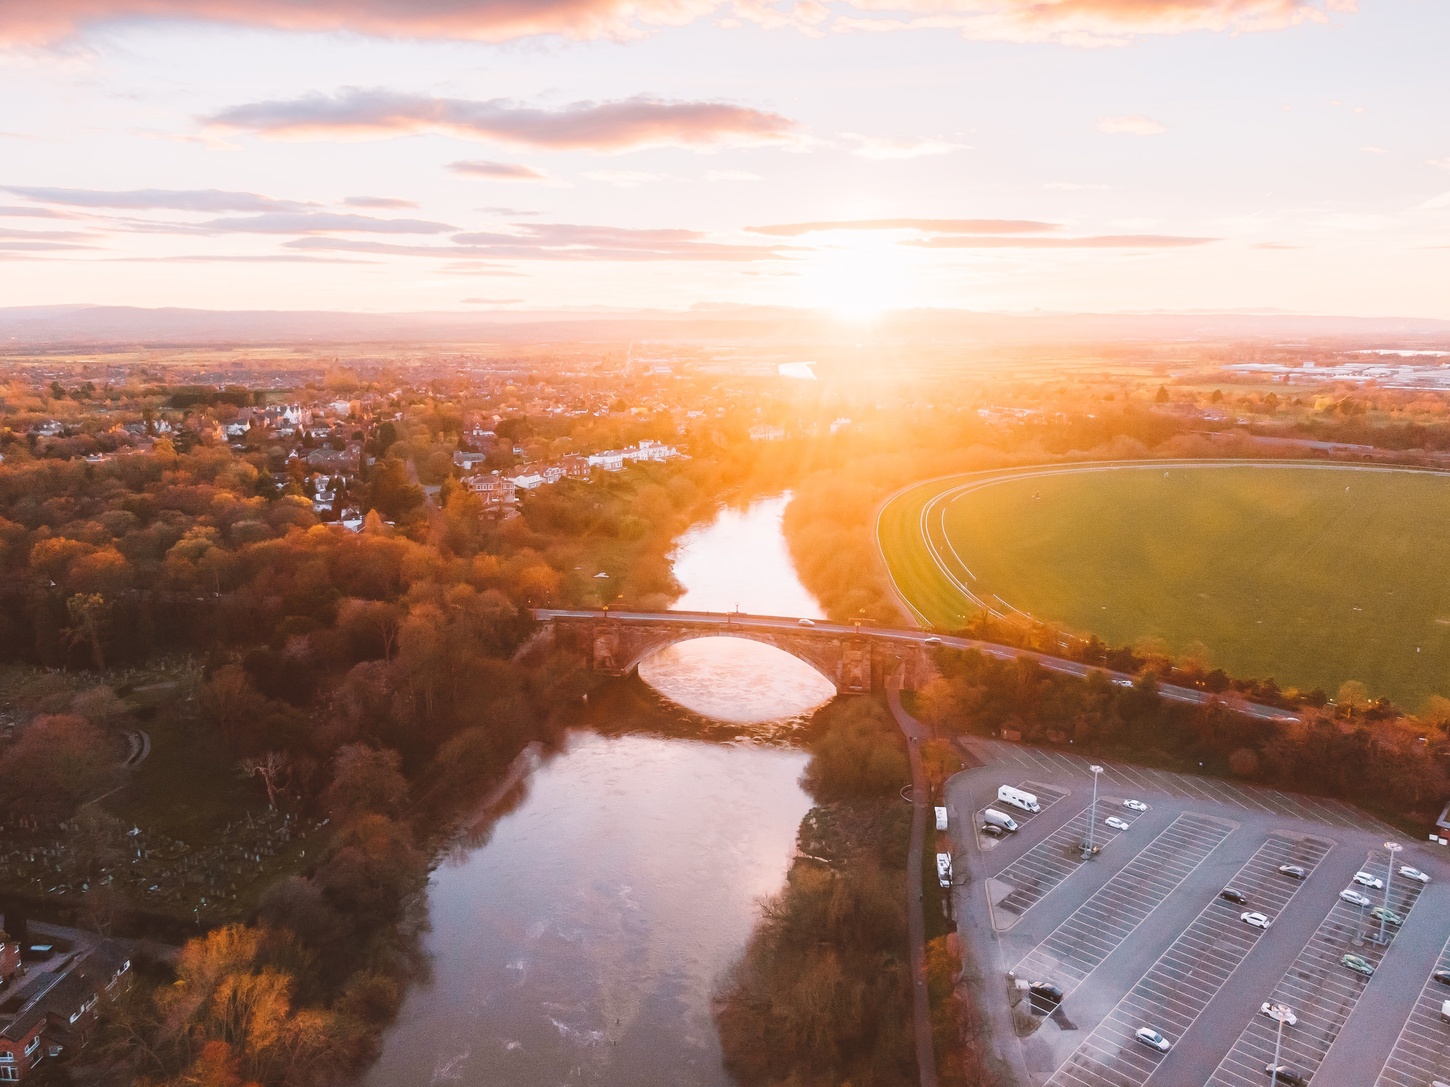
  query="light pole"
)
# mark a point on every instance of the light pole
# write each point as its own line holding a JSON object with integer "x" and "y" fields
{"x": 1278, "y": 1011}
{"x": 1392, "y": 848}
{"x": 1093, "y": 816}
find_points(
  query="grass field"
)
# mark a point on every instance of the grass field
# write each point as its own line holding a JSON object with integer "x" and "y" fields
{"x": 1312, "y": 575}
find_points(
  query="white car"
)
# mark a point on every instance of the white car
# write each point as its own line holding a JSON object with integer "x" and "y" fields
{"x": 1414, "y": 873}
{"x": 1116, "y": 823}
{"x": 1122, "y": 681}
{"x": 1282, "y": 1012}
{"x": 806, "y": 622}
{"x": 1149, "y": 1036}
{"x": 1352, "y": 896}
{"x": 1364, "y": 879}
{"x": 933, "y": 640}
{"x": 1136, "y": 805}
{"x": 1258, "y": 920}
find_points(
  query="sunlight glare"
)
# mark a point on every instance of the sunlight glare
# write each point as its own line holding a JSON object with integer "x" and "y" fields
{"x": 858, "y": 278}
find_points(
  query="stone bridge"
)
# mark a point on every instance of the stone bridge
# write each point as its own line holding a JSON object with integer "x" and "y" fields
{"x": 855, "y": 659}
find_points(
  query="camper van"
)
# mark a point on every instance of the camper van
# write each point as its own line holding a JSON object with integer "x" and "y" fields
{"x": 1018, "y": 798}
{"x": 941, "y": 819}
{"x": 944, "y": 869}
{"x": 993, "y": 817}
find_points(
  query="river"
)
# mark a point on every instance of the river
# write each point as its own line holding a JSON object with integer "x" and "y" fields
{"x": 581, "y": 942}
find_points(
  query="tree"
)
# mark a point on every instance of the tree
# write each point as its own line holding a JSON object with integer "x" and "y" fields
{"x": 274, "y": 768}
{"x": 58, "y": 761}
{"x": 1353, "y": 696}
{"x": 88, "y": 616}
{"x": 366, "y": 780}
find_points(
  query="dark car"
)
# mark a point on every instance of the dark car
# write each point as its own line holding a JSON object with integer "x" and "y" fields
{"x": 1233, "y": 894}
{"x": 1442, "y": 976}
{"x": 992, "y": 830}
{"x": 1046, "y": 990}
{"x": 1286, "y": 1075}
{"x": 1293, "y": 871}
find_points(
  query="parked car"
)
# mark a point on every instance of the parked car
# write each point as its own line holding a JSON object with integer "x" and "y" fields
{"x": 1442, "y": 976}
{"x": 1293, "y": 871}
{"x": 1389, "y": 917}
{"x": 1280, "y": 1012}
{"x": 1349, "y": 894}
{"x": 1256, "y": 919}
{"x": 806, "y": 622}
{"x": 991, "y": 830}
{"x": 1358, "y": 965}
{"x": 1135, "y": 805}
{"x": 1045, "y": 992}
{"x": 1149, "y": 1036}
{"x": 1116, "y": 823}
{"x": 1364, "y": 879}
{"x": 933, "y": 640}
{"x": 1122, "y": 681}
{"x": 1233, "y": 894}
{"x": 1414, "y": 873}
{"x": 1285, "y": 1074}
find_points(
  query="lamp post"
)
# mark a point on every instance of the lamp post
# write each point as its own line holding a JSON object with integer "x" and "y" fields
{"x": 1392, "y": 848}
{"x": 1093, "y": 812}
{"x": 1278, "y": 1011}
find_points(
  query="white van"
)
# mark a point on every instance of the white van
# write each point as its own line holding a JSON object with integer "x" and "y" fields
{"x": 941, "y": 819}
{"x": 996, "y": 818}
{"x": 1018, "y": 798}
{"x": 1445, "y": 1011}
{"x": 944, "y": 869}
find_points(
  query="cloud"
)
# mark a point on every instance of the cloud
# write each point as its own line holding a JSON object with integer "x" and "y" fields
{"x": 876, "y": 147}
{"x": 1071, "y": 22}
{"x": 491, "y": 301}
{"x": 498, "y": 171}
{"x": 1131, "y": 124}
{"x": 560, "y": 241}
{"x": 242, "y": 258}
{"x": 381, "y": 203}
{"x": 626, "y": 179}
{"x": 208, "y": 200}
{"x": 624, "y": 125}
{"x": 731, "y": 175}
{"x": 316, "y": 222}
{"x": 934, "y": 226}
{"x": 1100, "y": 241}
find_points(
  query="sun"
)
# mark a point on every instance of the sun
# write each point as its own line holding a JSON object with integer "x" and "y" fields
{"x": 856, "y": 278}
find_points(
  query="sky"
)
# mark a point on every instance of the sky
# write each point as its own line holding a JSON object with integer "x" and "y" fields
{"x": 857, "y": 157}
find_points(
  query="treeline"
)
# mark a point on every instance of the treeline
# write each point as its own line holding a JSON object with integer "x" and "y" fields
{"x": 1388, "y": 764}
{"x": 822, "y": 995}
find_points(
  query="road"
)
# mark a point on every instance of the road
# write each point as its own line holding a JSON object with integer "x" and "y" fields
{"x": 916, "y": 734}
{"x": 726, "y": 622}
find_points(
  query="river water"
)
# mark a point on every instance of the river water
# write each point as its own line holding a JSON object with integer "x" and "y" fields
{"x": 580, "y": 943}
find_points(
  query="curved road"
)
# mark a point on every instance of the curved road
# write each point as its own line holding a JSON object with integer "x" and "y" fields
{"x": 726, "y": 623}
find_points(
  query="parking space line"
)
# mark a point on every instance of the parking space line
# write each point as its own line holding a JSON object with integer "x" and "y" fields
{"x": 1422, "y": 1051}
{"x": 1321, "y": 991}
{"x": 1099, "y": 926}
{"x": 1177, "y": 988}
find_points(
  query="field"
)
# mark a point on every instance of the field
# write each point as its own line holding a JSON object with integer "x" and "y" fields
{"x": 1312, "y": 574}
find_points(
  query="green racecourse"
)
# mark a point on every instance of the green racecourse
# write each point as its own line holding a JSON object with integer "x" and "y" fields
{"x": 1312, "y": 574}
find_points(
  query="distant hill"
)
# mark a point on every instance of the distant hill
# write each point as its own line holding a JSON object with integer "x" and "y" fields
{"x": 78, "y": 326}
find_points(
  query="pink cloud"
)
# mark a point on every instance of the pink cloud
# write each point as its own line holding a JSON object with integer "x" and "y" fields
{"x": 1072, "y": 22}
{"x": 497, "y": 171}
{"x": 931, "y": 226}
{"x": 1099, "y": 241}
{"x": 625, "y": 125}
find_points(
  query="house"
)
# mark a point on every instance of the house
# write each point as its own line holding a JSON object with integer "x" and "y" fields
{"x": 574, "y": 466}
{"x": 651, "y": 450}
{"x": 495, "y": 490}
{"x": 54, "y": 1009}
{"x": 527, "y": 481}
{"x": 468, "y": 461}
{"x": 611, "y": 460}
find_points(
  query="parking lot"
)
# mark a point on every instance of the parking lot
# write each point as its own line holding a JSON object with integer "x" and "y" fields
{"x": 1174, "y": 992}
{"x": 1095, "y": 929}
{"x": 1422, "y": 1051}
{"x": 1139, "y": 937}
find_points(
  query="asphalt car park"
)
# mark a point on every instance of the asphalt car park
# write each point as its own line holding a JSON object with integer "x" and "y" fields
{"x": 1095, "y": 929}
{"x": 1422, "y": 1051}
{"x": 1322, "y": 991}
{"x": 1139, "y": 937}
{"x": 1176, "y": 989}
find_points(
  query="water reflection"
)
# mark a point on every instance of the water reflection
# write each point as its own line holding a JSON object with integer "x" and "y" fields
{"x": 735, "y": 680}
{"x": 581, "y": 944}
{"x": 740, "y": 560}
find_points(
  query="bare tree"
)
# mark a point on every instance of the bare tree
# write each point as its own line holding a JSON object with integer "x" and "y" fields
{"x": 274, "y": 768}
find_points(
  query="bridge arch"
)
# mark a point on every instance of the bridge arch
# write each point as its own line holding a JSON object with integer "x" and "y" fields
{"x": 824, "y": 663}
